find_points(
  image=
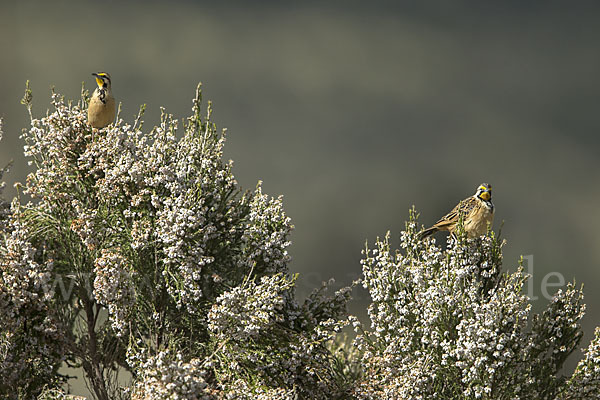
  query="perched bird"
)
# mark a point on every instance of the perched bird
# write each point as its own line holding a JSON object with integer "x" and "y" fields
{"x": 477, "y": 213}
{"x": 101, "y": 111}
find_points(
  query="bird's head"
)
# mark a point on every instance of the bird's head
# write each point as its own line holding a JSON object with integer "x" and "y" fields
{"x": 484, "y": 192}
{"x": 102, "y": 79}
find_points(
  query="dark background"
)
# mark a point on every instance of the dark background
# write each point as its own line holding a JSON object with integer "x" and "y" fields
{"x": 354, "y": 111}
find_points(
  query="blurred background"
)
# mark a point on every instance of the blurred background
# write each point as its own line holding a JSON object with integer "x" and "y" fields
{"x": 355, "y": 111}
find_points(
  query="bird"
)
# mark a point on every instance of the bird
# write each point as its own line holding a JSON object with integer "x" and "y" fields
{"x": 101, "y": 111}
{"x": 477, "y": 213}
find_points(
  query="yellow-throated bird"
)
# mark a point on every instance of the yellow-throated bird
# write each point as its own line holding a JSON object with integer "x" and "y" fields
{"x": 101, "y": 111}
{"x": 477, "y": 213}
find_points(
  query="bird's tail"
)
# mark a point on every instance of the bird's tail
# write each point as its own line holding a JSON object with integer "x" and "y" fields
{"x": 427, "y": 232}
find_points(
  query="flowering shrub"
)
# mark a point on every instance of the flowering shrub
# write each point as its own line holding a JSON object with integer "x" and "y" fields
{"x": 167, "y": 376}
{"x": 31, "y": 348}
{"x": 585, "y": 381}
{"x": 261, "y": 334}
{"x": 138, "y": 251}
{"x": 450, "y": 324}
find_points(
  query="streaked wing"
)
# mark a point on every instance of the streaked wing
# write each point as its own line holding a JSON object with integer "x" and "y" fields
{"x": 464, "y": 208}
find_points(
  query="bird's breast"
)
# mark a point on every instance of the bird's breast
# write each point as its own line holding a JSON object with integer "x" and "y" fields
{"x": 477, "y": 223}
{"x": 101, "y": 113}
